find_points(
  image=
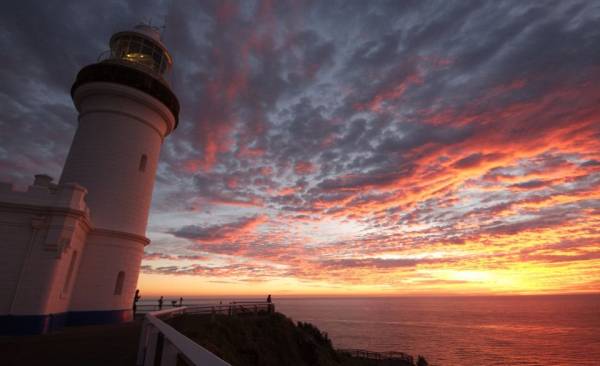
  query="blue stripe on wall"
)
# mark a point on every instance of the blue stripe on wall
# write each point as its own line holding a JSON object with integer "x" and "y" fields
{"x": 40, "y": 324}
{"x": 31, "y": 324}
{"x": 99, "y": 317}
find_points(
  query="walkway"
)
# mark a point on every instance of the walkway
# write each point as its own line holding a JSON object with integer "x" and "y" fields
{"x": 112, "y": 345}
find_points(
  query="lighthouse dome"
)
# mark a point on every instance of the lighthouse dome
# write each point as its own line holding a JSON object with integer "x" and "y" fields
{"x": 141, "y": 47}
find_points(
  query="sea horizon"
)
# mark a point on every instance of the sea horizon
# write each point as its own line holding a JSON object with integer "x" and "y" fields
{"x": 483, "y": 330}
{"x": 374, "y": 296}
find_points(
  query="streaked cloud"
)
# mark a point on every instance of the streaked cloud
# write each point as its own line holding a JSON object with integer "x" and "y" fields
{"x": 346, "y": 146}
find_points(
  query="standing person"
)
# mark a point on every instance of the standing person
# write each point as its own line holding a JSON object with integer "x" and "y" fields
{"x": 136, "y": 298}
{"x": 160, "y": 302}
{"x": 180, "y": 301}
{"x": 270, "y": 307}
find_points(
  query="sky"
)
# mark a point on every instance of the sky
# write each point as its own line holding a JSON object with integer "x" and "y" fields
{"x": 343, "y": 147}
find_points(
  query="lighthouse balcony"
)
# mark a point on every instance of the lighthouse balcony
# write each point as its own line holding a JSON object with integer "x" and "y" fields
{"x": 128, "y": 74}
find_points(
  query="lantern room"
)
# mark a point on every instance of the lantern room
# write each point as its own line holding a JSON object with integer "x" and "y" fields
{"x": 142, "y": 47}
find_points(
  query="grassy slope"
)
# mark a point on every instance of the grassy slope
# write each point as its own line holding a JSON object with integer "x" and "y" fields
{"x": 265, "y": 340}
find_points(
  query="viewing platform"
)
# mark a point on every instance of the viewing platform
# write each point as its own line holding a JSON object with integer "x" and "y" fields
{"x": 195, "y": 334}
{"x": 91, "y": 345}
{"x": 161, "y": 344}
{"x": 147, "y": 340}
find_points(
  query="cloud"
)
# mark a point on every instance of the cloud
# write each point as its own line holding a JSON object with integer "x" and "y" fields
{"x": 219, "y": 232}
{"x": 151, "y": 256}
{"x": 531, "y": 184}
{"x": 323, "y": 142}
{"x": 475, "y": 160}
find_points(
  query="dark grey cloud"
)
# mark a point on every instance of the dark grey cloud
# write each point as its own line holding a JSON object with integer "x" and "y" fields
{"x": 350, "y": 109}
{"x": 531, "y": 184}
{"x": 46, "y": 44}
{"x": 302, "y": 72}
{"x": 210, "y": 233}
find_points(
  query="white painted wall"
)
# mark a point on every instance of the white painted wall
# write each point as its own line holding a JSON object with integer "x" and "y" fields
{"x": 39, "y": 229}
{"x": 106, "y": 254}
{"x": 117, "y": 125}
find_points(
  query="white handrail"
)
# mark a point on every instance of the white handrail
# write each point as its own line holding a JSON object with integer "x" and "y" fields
{"x": 160, "y": 338}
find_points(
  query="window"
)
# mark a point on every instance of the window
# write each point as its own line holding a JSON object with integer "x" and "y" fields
{"x": 119, "y": 283}
{"x": 143, "y": 162}
{"x": 70, "y": 273}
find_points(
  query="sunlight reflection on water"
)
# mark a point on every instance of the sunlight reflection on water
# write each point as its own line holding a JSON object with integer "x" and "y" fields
{"x": 531, "y": 330}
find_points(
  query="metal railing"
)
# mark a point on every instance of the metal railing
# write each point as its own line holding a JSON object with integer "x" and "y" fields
{"x": 204, "y": 308}
{"x": 161, "y": 344}
{"x": 392, "y": 356}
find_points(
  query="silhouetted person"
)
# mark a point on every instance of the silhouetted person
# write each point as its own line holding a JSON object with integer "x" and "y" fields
{"x": 136, "y": 298}
{"x": 180, "y": 301}
{"x": 160, "y": 302}
{"x": 421, "y": 361}
{"x": 270, "y": 307}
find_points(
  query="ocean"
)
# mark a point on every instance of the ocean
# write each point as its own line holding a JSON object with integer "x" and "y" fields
{"x": 448, "y": 331}
{"x": 511, "y": 330}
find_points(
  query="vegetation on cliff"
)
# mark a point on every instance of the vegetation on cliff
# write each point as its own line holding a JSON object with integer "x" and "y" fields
{"x": 268, "y": 339}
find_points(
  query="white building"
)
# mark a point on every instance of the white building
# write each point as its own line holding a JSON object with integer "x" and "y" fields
{"x": 70, "y": 252}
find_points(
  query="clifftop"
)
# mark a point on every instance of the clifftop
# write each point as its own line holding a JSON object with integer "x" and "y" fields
{"x": 268, "y": 340}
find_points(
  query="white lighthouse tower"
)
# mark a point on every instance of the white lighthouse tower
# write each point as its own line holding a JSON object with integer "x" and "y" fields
{"x": 70, "y": 252}
{"x": 126, "y": 109}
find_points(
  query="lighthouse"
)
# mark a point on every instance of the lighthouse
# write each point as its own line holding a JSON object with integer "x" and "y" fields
{"x": 126, "y": 110}
{"x": 76, "y": 255}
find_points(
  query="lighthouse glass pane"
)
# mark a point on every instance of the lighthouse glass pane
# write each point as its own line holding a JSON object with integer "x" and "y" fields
{"x": 143, "y": 162}
{"x": 142, "y": 52}
{"x": 121, "y": 47}
{"x": 156, "y": 56}
{"x": 135, "y": 46}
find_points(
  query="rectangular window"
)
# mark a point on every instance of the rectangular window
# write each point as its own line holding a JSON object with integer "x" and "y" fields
{"x": 143, "y": 162}
{"x": 119, "y": 283}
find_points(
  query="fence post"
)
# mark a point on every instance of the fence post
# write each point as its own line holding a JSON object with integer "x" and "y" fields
{"x": 169, "y": 354}
{"x": 143, "y": 343}
{"x": 150, "y": 353}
